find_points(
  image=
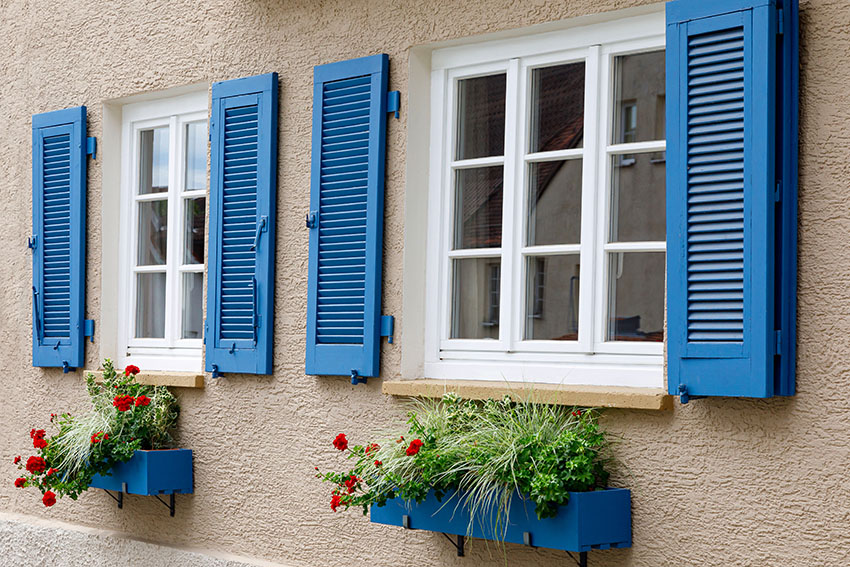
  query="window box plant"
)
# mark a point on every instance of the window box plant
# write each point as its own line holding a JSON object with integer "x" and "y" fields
{"x": 505, "y": 471}
{"x": 122, "y": 443}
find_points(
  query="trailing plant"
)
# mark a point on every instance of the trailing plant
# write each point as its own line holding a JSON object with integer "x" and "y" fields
{"x": 486, "y": 451}
{"x": 125, "y": 416}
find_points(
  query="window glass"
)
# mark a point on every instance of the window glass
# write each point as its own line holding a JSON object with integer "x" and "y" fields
{"x": 193, "y": 230}
{"x": 196, "y": 156}
{"x": 150, "y": 305}
{"x": 478, "y": 208}
{"x": 639, "y": 97}
{"x": 153, "y": 161}
{"x": 636, "y": 296}
{"x": 193, "y": 297}
{"x": 557, "y": 111}
{"x": 554, "y": 202}
{"x": 153, "y": 232}
{"x": 475, "y": 298}
{"x": 638, "y": 197}
{"x": 552, "y": 286}
{"x": 481, "y": 117}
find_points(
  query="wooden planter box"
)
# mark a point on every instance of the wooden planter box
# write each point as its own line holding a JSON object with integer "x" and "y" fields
{"x": 149, "y": 473}
{"x": 591, "y": 520}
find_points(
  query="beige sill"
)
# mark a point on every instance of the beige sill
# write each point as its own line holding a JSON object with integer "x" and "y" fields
{"x": 175, "y": 379}
{"x": 583, "y": 396}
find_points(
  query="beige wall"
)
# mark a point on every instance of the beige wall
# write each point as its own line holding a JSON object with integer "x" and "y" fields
{"x": 716, "y": 482}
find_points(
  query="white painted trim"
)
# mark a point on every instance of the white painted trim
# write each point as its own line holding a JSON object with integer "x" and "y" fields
{"x": 589, "y": 360}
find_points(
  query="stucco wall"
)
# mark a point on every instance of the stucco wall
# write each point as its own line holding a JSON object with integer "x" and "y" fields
{"x": 717, "y": 482}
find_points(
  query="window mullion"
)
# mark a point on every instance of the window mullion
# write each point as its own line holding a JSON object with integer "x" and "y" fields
{"x": 512, "y": 191}
{"x": 172, "y": 313}
{"x": 589, "y": 290}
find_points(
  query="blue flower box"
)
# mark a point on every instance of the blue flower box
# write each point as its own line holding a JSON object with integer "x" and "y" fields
{"x": 591, "y": 520}
{"x": 167, "y": 471}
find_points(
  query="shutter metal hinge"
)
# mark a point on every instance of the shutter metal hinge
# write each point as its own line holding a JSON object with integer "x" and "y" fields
{"x": 215, "y": 372}
{"x": 32, "y": 242}
{"x": 88, "y": 329}
{"x": 206, "y": 330}
{"x": 778, "y": 347}
{"x": 312, "y": 219}
{"x": 387, "y": 327}
{"x": 65, "y": 368}
{"x": 393, "y": 102}
{"x": 91, "y": 147}
{"x": 778, "y": 195}
{"x": 684, "y": 396}
{"x": 780, "y": 21}
{"x": 356, "y": 378}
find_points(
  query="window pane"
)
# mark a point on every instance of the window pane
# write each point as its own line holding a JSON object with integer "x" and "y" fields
{"x": 196, "y": 156}
{"x": 551, "y": 297}
{"x": 554, "y": 202}
{"x": 478, "y": 208}
{"x": 153, "y": 232}
{"x": 153, "y": 161}
{"x": 638, "y": 198}
{"x": 193, "y": 230}
{"x": 481, "y": 117}
{"x": 636, "y": 296}
{"x": 557, "y": 111}
{"x": 475, "y": 298}
{"x": 193, "y": 296}
{"x": 639, "y": 97}
{"x": 150, "y": 306}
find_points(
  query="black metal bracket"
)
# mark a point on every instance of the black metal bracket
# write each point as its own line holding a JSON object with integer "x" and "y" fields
{"x": 119, "y": 498}
{"x": 459, "y": 545}
{"x": 582, "y": 558}
{"x": 169, "y": 504}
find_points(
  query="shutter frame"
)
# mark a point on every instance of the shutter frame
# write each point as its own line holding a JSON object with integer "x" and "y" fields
{"x": 224, "y": 353}
{"x": 355, "y": 359}
{"x": 65, "y": 349}
{"x": 712, "y": 363}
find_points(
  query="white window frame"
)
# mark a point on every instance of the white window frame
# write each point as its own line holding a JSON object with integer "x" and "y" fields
{"x": 590, "y": 360}
{"x": 170, "y": 353}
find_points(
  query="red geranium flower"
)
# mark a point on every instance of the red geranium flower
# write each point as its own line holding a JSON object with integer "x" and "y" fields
{"x": 99, "y": 436}
{"x": 17, "y": 459}
{"x": 20, "y": 482}
{"x": 414, "y": 447}
{"x": 378, "y": 463}
{"x": 49, "y": 499}
{"x": 341, "y": 442}
{"x": 36, "y": 465}
{"x": 372, "y": 447}
{"x": 131, "y": 369}
{"x": 351, "y": 483}
{"x": 577, "y": 413}
{"x": 336, "y": 501}
{"x": 51, "y": 471}
{"x": 39, "y": 443}
{"x": 143, "y": 401}
{"x": 123, "y": 403}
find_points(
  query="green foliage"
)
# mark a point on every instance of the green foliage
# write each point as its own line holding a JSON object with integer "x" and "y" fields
{"x": 486, "y": 450}
{"x": 125, "y": 416}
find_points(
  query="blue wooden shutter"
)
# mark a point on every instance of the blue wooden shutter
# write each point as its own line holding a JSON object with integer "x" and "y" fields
{"x": 59, "y": 239}
{"x": 347, "y": 217}
{"x": 731, "y": 197}
{"x": 243, "y": 186}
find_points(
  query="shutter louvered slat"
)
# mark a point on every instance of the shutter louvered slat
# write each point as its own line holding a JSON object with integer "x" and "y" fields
{"x": 721, "y": 209}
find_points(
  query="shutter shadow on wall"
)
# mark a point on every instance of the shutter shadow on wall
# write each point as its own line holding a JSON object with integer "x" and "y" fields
{"x": 731, "y": 197}
{"x": 243, "y": 186}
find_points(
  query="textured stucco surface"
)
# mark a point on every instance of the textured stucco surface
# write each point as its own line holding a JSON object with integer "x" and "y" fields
{"x": 717, "y": 482}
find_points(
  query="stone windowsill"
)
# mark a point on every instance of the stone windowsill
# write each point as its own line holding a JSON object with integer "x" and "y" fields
{"x": 583, "y": 396}
{"x": 174, "y": 379}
